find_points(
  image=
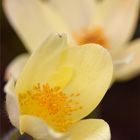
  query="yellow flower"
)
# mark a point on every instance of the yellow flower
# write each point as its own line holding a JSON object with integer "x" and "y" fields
{"x": 59, "y": 86}
{"x": 110, "y": 23}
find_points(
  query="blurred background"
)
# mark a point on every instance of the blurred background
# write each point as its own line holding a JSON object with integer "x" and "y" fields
{"x": 120, "y": 107}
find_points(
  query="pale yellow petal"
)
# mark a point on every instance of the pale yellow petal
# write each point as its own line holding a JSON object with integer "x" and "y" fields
{"x": 42, "y": 63}
{"x": 77, "y": 13}
{"x": 15, "y": 67}
{"x": 33, "y": 21}
{"x": 38, "y": 129}
{"x": 119, "y": 19}
{"x": 90, "y": 129}
{"x": 130, "y": 55}
{"x": 92, "y": 68}
{"x": 12, "y": 103}
{"x": 83, "y": 74}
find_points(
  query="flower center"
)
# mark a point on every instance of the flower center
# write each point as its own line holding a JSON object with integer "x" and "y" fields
{"x": 50, "y": 104}
{"x": 95, "y": 35}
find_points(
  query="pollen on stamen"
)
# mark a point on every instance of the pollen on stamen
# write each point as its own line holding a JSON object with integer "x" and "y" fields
{"x": 91, "y": 35}
{"x": 50, "y": 104}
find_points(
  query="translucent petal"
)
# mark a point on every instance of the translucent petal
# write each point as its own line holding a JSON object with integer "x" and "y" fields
{"x": 15, "y": 67}
{"x": 77, "y": 13}
{"x": 12, "y": 103}
{"x": 91, "y": 65}
{"x": 90, "y": 129}
{"x": 131, "y": 55}
{"x": 119, "y": 18}
{"x": 33, "y": 21}
{"x": 38, "y": 129}
{"x": 41, "y": 64}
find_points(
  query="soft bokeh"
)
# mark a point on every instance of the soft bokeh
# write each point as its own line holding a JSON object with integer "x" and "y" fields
{"x": 120, "y": 106}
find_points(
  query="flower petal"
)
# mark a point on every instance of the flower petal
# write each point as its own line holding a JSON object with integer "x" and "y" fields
{"x": 119, "y": 18}
{"x": 12, "y": 103}
{"x": 92, "y": 65}
{"x": 41, "y": 64}
{"x": 37, "y": 128}
{"x": 15, "y": 67}
{"x": 90, "y": 129}
{"x": 86, "y": 71}
{"x": 33, "y": 21}
{"x": 131, "y": 68}
{"x": 77, "y": 13}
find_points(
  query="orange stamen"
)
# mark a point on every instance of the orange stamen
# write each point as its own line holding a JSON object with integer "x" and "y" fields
{"x": 95, "y": 35}
{"x": 50, "y": 104}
